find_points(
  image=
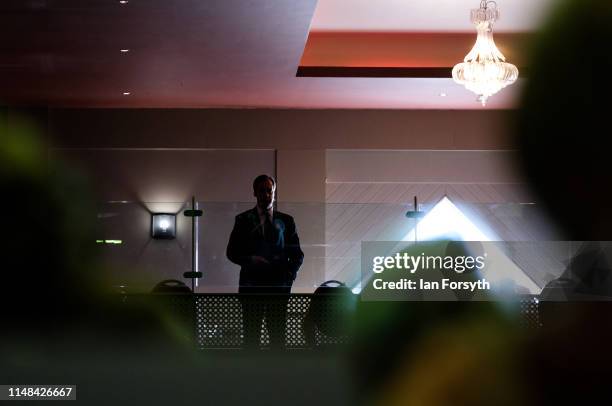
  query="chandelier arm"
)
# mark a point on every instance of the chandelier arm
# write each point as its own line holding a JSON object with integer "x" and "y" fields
{"x": 485, "y": 4}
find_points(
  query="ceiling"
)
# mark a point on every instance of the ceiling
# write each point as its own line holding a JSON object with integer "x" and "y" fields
{"x": 234, "y": 53}
{"x": 423, "y": 15}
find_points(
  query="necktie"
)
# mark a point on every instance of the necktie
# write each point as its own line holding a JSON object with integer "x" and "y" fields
{"x": 268, "y": 229}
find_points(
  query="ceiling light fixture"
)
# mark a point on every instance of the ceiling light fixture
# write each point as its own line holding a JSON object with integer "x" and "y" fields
{"x": 484, "y": 70}
{"x": 124, "y": 51}
{"x": 126, "y": 93}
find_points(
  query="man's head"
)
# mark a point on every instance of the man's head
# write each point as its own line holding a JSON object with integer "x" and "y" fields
{"x": 264, "y": 188}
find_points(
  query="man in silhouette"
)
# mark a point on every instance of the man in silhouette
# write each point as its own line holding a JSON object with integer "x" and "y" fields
{"x": 264, "y": 242}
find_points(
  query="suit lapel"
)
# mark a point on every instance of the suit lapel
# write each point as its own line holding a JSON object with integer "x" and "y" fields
{"x": 279, "y": 229}
{"x": 255, "y": 222}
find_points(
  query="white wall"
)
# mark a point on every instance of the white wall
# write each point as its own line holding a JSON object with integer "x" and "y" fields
{"x": 132, "y": 155}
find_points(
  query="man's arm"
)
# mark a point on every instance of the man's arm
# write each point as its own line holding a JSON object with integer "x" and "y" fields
{"x": 236, "y": 246}
{"x": 294, "y": 252}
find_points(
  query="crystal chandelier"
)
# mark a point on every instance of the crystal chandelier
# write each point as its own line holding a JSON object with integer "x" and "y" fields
{"x": 484, "y": 70}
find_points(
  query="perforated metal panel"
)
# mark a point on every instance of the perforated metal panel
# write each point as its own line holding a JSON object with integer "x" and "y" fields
{"x": 217, "y": 320}
{"x": 296, "y": 311}
{"x": 530, "y": 312}
{"x": 220, "y": 321}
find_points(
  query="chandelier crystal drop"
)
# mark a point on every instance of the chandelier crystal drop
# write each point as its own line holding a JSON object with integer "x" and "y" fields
{"x": 484, "y": 70}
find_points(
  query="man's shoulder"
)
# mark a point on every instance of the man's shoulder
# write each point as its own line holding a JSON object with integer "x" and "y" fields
{"x": 251, "y": 213}
{"x": 283, "y": 216}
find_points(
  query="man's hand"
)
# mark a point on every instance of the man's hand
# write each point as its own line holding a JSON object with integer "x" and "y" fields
{"x": 257, "y": 260}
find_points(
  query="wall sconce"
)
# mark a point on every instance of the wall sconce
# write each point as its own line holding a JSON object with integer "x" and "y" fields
{"x": 163, "y": 225}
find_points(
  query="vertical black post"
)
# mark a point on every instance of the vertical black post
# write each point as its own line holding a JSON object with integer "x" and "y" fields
{"x": 193, "y": 244}
{"x": 416, "y": 219}
{"x": 276, "y": 176}
{"x": 193, "y": 213}
{"x": 416, "y": 215}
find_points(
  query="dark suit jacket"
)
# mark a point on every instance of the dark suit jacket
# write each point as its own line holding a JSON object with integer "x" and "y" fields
{"x": 282, "y": 251}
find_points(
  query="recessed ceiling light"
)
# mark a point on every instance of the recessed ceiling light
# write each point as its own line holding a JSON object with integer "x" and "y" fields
{"x": 442, "y": 94}
{"x": 124, "y": 51}
{"x": 123, "y": 1}
{"x": 126, "y": 93}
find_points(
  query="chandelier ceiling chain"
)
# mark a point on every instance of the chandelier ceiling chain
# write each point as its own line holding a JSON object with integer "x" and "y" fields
{"x": 484, "y": 69}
